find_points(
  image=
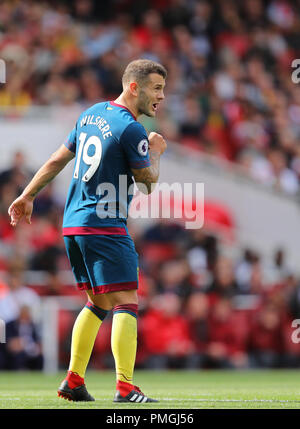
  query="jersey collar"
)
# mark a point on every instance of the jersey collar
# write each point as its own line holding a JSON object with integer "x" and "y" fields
{"x": 123, "y": 107}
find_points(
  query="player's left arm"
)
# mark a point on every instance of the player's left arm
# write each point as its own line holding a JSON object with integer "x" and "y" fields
{"x": 147, "y": 177}
{"x": 23, "y": 205}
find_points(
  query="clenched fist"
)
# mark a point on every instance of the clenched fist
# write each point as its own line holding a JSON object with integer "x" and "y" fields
{"x": 157, "y": 143}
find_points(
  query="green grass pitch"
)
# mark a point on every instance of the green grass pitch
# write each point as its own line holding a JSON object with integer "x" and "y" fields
{"x": 174, "y": 389}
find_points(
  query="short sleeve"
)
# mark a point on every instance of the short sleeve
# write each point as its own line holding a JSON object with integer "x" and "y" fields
{"x": 70, "y": 142}
{"x": 135, "y": 143}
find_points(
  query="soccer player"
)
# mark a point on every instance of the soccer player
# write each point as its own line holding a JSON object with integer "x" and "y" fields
{"x": 108, "y": 145}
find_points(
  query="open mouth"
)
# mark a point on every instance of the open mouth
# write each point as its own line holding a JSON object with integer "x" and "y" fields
{"x": 155, "y": 106}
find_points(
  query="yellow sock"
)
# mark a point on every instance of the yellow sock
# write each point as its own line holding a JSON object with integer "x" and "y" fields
{"x": 84, "y": 335}
{"x": 124, "y": 341}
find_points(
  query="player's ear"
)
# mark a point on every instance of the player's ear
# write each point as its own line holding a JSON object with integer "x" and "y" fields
{"x": 133, "y": 86}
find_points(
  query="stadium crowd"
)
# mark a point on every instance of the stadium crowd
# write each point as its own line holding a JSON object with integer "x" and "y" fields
{"x": 229, "y": 93}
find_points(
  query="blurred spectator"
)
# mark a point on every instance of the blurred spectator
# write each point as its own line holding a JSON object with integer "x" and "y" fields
{"x": 18, "y": 296}
{"x": 278, "y": 270}
{"x": 174, "y": 277}
{"x": 202, "y": 252}
{"x": 266, "y": 338}
{"x": 223, "y": 283}
{"x": 191, "y": 122}
{"x": 282, "y": 177}
{"x": 164, "y": 231}
{"x": 53, "y": 286}
{"x": 14, "y": 95}
{"x": 91, "y": 89}
{"x": 165, "y": 333}
{"x": 197, "y": 312}
{"x": 293, "y": 298}
{"x": 225, "y": 349}
{"x": 151, "y": 33}
{"x": 161, "y": 242}
{"x": 84, "y": 11}
{"x": 46, "y": 202}
{"x": 17, "y": 175}
{"x": 22, "y": 349}
{"x": 244, "y": 271}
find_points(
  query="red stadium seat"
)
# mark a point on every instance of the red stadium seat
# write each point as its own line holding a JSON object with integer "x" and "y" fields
{"x": 217, "y": 216}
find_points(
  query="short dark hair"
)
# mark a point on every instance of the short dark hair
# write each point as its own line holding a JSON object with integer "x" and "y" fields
{"x": 140, "y": 70}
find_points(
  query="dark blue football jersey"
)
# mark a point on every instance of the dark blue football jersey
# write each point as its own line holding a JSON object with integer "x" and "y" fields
{"x": 108, "y": 142}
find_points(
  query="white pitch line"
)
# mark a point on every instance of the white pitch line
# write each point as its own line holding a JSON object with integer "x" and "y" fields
{"x": 231, "y": 400}
{"x": 10, "y": 399}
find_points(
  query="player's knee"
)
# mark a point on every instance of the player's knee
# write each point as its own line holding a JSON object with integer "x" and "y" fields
{"x": 123, "y": 297}
{"x": 99, "y": 300}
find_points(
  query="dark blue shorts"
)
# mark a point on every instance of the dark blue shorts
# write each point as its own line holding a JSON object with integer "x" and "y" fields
{"x": 103, "y": 263}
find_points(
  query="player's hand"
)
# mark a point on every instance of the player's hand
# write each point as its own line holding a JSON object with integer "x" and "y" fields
{"x": 157, "y": 143}
{"x": 22, "y": 206}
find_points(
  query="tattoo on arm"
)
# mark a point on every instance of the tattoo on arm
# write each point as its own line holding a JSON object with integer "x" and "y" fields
{"x": 148, "y": 176}
{"x": 38, "y": 187}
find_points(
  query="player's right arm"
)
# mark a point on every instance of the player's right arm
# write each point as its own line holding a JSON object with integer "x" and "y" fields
{"x": 148, "y": 176}
{"x": 23, "y": 205}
